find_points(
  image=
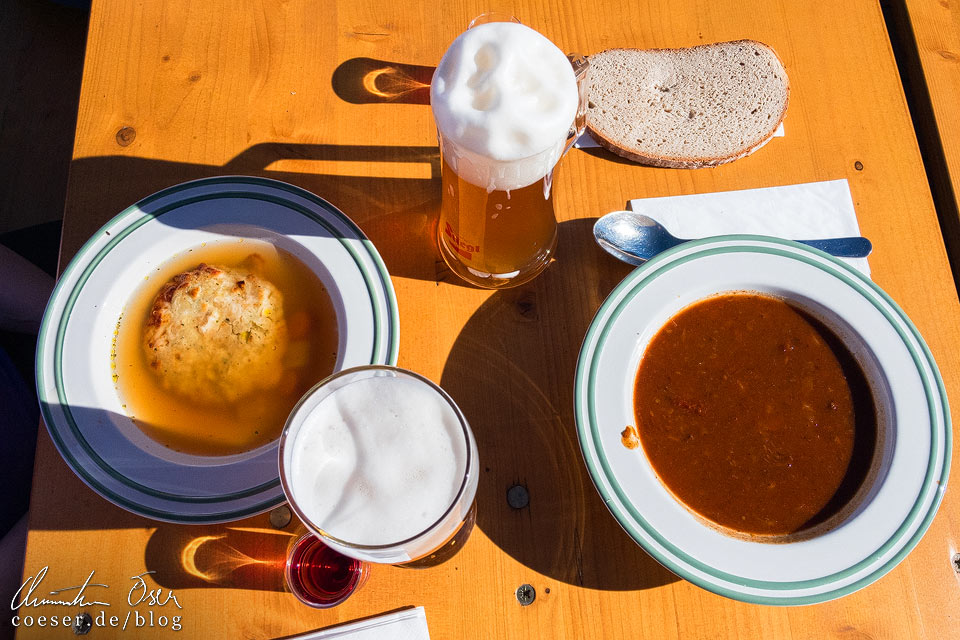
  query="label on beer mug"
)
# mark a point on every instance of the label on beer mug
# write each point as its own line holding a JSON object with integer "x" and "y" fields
{"x": 464, "y": 249}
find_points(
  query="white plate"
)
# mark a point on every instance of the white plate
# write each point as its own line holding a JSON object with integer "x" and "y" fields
{"x": 913, "y": 419}
{"x": 78, "y": 400}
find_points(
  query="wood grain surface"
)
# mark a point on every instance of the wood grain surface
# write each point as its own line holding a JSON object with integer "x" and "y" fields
{"x": 927, "y": 33}
{"x": 175, "y": 90}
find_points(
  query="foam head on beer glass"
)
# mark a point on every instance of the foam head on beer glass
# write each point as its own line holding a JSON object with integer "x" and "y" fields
{"x": 507, "y": 104}
{"x": 380, "y": 463}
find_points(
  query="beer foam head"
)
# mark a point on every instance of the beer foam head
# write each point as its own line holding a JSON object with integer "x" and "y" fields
{"x": 504, "y": 98}
{"x": 378, "y": 461}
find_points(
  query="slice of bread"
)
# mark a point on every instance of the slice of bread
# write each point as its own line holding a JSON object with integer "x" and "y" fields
{"x": 686, "y": 108}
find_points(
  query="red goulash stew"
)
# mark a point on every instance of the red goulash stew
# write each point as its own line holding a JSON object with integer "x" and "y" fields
{"x": 755, "y": 415}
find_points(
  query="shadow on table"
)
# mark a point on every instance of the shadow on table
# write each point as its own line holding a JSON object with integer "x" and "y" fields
{"x": 371, "y": 81}
{"x": 225, "y": 555}
{"x": 511, "y": 370}
{"x": 399, "y": 214}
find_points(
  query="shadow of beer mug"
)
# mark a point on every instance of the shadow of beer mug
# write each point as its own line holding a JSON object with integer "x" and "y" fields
{"x": 497, "y": 226}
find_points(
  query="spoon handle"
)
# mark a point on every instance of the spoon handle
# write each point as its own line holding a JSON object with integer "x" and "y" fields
{"x": 854, "y": 247}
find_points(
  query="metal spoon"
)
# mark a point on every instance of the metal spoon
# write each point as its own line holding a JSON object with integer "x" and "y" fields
{"x": 635, "y": 238}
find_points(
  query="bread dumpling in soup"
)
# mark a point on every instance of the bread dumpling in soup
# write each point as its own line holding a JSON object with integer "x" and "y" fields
{"x": 219, "y": 343}
{"x": 216, "y": 334}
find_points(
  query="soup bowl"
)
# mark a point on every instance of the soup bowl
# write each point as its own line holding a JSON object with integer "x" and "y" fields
{"x": 86, "y": 417}
{"x": 903, "y": 488}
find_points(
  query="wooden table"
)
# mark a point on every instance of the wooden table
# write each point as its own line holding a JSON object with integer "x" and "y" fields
{"x": 176, "y": 90}
{"x": 928, "y": 32}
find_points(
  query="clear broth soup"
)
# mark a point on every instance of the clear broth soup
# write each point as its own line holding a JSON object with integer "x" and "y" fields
{"x": 191, "y": 426}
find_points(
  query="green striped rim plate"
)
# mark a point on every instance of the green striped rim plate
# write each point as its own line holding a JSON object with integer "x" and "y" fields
{"x": 894, "y": 509}
{"x": 79, "y": 403}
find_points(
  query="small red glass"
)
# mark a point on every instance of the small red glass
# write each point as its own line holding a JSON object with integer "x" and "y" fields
{"x": 319, "y": 576}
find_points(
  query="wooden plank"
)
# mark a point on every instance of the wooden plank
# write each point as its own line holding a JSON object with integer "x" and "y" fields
{"x": 177, "y": 90}
{"x": 926, "y": 35}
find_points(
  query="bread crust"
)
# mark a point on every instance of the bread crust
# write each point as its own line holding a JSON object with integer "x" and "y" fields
{"x": 692, "y": 162}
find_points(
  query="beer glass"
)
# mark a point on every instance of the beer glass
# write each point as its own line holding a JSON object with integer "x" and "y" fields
{"x": 493, "y": 237}
{"x": 358, "y": 492}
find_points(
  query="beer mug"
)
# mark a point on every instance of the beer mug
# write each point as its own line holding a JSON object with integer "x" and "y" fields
{"x": 381, "y": 465}
{"x": 507, "y": 109}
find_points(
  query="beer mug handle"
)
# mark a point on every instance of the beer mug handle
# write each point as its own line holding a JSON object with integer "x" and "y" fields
{"x": 580, "y": 66}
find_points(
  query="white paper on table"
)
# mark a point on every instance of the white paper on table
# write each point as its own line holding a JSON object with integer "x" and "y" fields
{"x": 809, "y": 211}
{"x": 409, "y": 624}
{"x": 586, "y": 141}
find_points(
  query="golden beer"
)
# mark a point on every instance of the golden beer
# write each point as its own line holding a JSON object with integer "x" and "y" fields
{"x": 498, "y": 238}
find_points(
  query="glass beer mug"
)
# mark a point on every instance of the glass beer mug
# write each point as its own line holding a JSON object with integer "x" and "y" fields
{"x": 507, "y": 109}
{"x": 381, "y": 465}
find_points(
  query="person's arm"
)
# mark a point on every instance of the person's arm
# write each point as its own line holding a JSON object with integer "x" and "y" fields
{"x": 24, "y": 290}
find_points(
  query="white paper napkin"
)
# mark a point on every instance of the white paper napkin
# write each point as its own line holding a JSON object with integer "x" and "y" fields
{"x": 808, "y": 211}
{"x": 409, "y": 624}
